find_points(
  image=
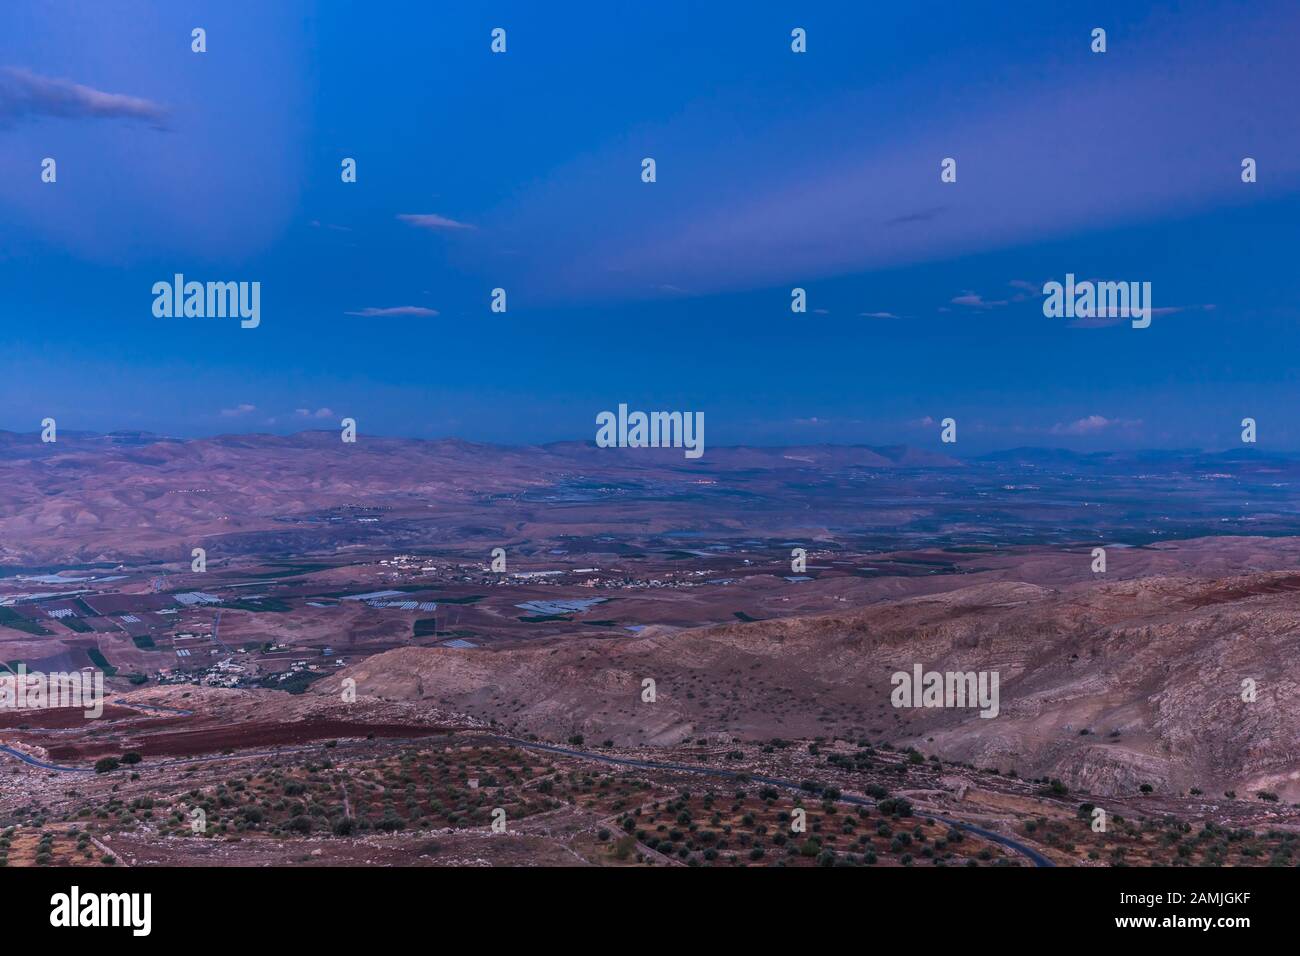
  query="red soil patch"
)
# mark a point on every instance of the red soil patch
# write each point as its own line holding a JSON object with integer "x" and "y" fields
{"x": 60, "y": 718}
{"x": 253, "y": 736}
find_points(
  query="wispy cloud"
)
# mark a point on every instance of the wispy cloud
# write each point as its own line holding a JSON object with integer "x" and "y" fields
{"x": 973, "y": 300}
{"x": 1107, "y": 321}
{"x": 1092, "y": 425}
{"x": 428, "y": 220}
{"x": 372, "y": 312}
{"x": 319, "y": 413}
{"x": 26, "y": 94}
{"x": 878, "y": 315}
{"x": 1024, "y": 290}
{"x": 736, "y": 219}
{"x": 242, "y": 409}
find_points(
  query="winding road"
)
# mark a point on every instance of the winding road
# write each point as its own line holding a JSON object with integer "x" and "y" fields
{"x": 25, "y": 758}
{"x": 28, "y": 759}
{"x": 1026, "y": 851}
{"x": 1029, "y": 852}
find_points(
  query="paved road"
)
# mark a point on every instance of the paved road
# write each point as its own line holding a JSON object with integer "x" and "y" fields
{"x": 1033, "y": 855}
{"x": 216, "y": 626}
{"x": 25, "y": 758}
{"x": 28, "y": 759}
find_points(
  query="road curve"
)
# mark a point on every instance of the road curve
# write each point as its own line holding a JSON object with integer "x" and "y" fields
{"x": 1029, "y": 852}
{"x": 26, "y": 758}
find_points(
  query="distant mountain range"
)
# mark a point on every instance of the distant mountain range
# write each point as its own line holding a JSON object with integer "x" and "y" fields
{"x": 143, "y": 497}
{"x": 776, "y": 455}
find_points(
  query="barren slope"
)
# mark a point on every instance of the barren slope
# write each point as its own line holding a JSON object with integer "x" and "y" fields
{"x": 1151, "y": 669}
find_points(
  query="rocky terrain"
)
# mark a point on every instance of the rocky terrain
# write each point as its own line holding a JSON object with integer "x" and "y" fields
{"x": 1106, "y": 686}
{"x": 679, "y": 655}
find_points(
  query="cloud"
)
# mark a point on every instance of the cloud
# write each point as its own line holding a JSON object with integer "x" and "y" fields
{"x": 974, "y": 300}
{"x": 242, "y": 409}
{"x": 371, "y": 312}
{"x": 878, "y": 315}
{"x": 27, "y": 94}
{"x": 1106, "y": 321}
{"x": 1092, "y": 425}
{"x": 432, "y": 221}
{"x": 742, "y": 215}
{"x": 1025, "y": 290}
{"x": 319, "y": 413}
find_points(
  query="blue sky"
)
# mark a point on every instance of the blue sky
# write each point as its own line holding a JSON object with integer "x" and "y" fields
{"x": 775, "y": 169}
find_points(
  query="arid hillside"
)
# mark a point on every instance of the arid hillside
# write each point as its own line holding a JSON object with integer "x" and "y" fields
{"x": 1106, "y": 686}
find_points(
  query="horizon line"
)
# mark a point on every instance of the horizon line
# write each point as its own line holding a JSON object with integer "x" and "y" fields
{"x": 946, "y": 451}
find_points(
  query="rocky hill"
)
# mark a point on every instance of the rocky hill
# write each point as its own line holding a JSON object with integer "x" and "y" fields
{"x": 1105, "y": 686}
